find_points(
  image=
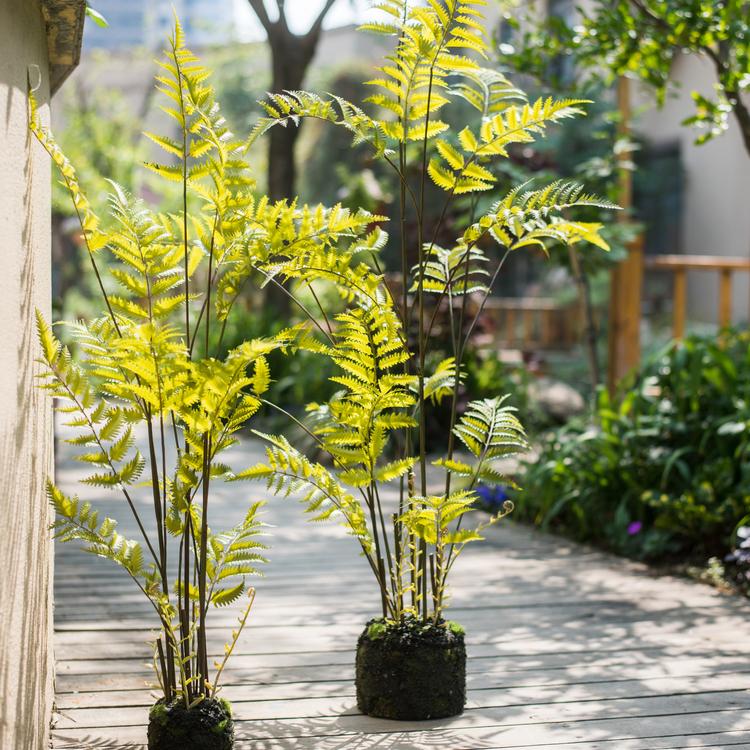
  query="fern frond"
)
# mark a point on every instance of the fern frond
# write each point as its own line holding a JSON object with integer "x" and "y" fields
{"x": 490, "y": 429}
{"x": 488, "y": 91}
{"x": 235, "y": 553}
{"x": 413, "y": 82}
{"x": 528, "y": 217}
{"x": 87, "y": 218}
{"x": 464, "y": 173}
{"x": 288, "y": 472}
{"x": 454, "y": 272}
{"x": 77, "y": 521}
{"x": 290, "y": 107}
{"x": 441, "y": 382}
{"x": 284, "y": 241}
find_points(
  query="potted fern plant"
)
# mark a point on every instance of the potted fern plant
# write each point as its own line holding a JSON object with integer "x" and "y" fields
{"x": 406, "y": 509}
{"x": 149, "y": 371}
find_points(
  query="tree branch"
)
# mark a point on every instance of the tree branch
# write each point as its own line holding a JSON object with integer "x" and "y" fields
{"x": 280, "y": 4}
{"x": 318, "y": 24}
{"x": 262, "y": 14}
{"x": 650, "y": 16}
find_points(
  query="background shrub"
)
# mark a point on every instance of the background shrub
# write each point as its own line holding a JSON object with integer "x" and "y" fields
{"x": 663, "y": 472}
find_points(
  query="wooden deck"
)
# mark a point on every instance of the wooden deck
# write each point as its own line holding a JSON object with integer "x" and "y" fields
{"x": 569, "y": 648}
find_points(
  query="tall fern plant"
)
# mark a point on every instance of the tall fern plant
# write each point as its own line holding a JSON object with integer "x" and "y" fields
{"x": 373, "y": 430}
{"x": 149, "y": 366}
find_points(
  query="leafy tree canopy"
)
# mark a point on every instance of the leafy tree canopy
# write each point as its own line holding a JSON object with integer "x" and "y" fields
{"x": 643, "y": 39}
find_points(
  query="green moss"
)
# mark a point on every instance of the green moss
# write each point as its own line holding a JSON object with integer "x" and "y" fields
{"x": 376, "y": 630}
{"x": 455, "y": 627}
{"x": 158, "y": 713}
{"x": 220, "y": 728}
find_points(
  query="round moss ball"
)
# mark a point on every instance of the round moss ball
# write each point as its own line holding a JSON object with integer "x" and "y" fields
{"x": 206, "y": 726}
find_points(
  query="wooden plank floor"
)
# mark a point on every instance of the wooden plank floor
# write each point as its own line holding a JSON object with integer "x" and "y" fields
{"x": 569, "y": 648}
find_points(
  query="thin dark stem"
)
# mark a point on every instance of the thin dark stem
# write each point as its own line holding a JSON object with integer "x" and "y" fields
{"x": 203, "y": 604}
{"x": 458, "y": 358}
{"x": 402, "y": 177}
{"x": 376, "y": 537}
{"x": 104, "y": 294}
{"x": 485, "y": 296}
{"x": 185, "y": 608}
{"x": 458, "y": 355}
{"x": 397, "y": 553}
{"x": 421, "y": 340}
{"x": 387, "y": 289}
{"x": 183, "y": 117}
{"x": 209, "y": 281}
{"x": 383, "y": 589}
{"x": 388, "y": 555}
{"x": 164, "y": 673}
{"x": 299, "y": 304}
{"x": 320, "y": 307}
{"x": 156, "y": 491}
{"x": 433, "y": 588}
{"x": 196, "y": 327}
{"x": 404, "y": 255}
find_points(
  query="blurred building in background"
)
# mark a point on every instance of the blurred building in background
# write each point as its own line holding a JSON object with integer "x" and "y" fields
{"x": 146, "y": 23}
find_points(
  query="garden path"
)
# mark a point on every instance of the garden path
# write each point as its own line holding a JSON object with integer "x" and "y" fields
{"x": 569, "y": 648}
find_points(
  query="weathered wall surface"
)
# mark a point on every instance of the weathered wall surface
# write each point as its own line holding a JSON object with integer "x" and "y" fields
{"x": 25, "y": 419}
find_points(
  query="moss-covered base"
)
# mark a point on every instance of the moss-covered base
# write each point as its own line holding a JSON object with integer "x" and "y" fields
{"x": 411, "y": 671}
{"x": 207, "y": 726}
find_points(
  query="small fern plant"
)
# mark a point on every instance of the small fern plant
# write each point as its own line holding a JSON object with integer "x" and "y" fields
{"x": 147, "y": 373}
{"x": 373, "y": 430}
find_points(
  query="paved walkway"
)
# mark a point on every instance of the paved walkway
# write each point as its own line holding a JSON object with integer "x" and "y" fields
{"x": 569, "y": 648}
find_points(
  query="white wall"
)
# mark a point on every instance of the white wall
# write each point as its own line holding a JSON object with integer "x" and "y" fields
{"x": 716, "y": 218}
{"x": 25, "y": 423}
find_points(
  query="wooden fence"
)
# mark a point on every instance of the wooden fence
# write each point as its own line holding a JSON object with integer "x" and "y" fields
{"x": 539, "y": 323}
{"x": 530, "y": 323}
{"x": 626, "y": 294}
{"x": 680, "y": 265}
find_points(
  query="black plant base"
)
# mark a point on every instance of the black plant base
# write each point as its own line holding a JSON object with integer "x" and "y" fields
{"x": 411, "y": 671}
{"x": 207, "y": 726}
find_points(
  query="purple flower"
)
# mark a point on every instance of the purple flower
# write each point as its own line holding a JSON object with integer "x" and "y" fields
{"x": 634, "y": 527}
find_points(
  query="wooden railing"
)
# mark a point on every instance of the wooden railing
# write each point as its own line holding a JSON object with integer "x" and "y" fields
{"x": 524, "y": 323}
{"x": 530, "y": 323}
{"x": 679, "y": 265}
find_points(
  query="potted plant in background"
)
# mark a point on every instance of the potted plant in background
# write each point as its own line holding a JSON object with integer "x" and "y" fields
{"x": 150, "y": 368}
{"x": 410, "y": 659}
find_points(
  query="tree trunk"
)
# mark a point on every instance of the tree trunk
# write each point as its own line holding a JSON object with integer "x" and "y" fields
{"x": 291, "y": 56}
{"x": 282, "y": 169}
{"x": 742, "y": 115}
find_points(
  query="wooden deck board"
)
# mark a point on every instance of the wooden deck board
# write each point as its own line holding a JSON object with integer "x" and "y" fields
{"x": 569, "y": 649}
